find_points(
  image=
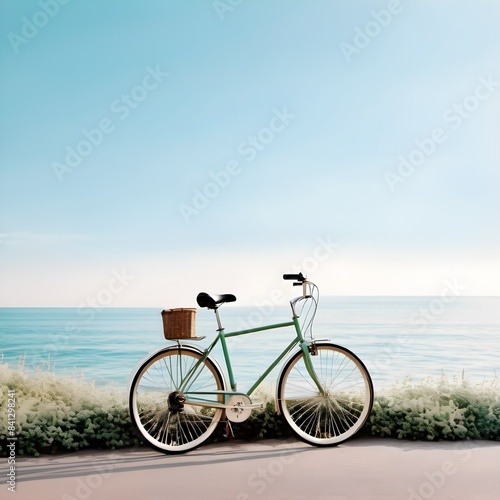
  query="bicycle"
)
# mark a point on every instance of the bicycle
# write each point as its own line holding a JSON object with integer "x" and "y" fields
{"x": 179, "y": 394}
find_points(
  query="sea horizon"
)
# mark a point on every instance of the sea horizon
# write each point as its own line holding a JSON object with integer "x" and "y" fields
{"x": 394, "y": 336}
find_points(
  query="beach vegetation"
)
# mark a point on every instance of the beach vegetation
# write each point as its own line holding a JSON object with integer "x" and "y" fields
{"x": 54, "y": 414}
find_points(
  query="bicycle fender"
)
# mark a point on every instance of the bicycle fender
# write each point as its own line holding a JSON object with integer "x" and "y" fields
{"x": 187, "y": 347}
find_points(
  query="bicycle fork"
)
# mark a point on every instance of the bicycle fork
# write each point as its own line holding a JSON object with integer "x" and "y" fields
{"x": 309, "y": 350}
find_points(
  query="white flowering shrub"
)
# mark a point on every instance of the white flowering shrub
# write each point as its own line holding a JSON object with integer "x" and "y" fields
{"x": 55, "y": 413}
{"x": 438, "y": 409}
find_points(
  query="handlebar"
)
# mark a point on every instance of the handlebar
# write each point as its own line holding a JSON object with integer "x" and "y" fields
{"x": 309, "y": 291}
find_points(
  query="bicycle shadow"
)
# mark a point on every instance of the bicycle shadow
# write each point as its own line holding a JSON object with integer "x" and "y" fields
{"x": 130, "y": 460}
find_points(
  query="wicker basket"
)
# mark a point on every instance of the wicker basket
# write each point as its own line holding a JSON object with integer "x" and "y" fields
{"x": 179, "y": 323}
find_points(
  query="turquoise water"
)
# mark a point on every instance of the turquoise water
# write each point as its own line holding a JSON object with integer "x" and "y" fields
{"x": 394, "y": 336}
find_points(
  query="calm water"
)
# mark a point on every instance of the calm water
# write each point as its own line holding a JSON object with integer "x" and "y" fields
{"x": 394, "y": 336}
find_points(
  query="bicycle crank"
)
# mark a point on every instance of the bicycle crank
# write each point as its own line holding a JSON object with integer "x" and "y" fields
{"x": 238, "y": 408}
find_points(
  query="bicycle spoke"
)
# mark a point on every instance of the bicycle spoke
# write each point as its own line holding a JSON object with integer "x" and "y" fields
{"x": 181, "y": 429}
{"x": 343, "y": 407}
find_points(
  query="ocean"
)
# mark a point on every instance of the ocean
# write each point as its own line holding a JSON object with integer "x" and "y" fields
{"x": 396, "y": 337}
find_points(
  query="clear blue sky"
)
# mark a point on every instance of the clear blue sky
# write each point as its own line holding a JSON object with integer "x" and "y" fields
{"x": 309, "y": 108}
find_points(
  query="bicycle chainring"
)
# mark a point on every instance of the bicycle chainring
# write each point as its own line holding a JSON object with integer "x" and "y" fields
{"x": 238, "y": 412}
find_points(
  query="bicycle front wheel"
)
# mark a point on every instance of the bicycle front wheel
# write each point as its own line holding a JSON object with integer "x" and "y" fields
{"x": 334, "y": 414}
{"x": 159, "y": 403}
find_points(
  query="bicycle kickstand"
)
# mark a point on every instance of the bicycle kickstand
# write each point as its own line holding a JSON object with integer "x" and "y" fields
{"x": 229, "y": 430}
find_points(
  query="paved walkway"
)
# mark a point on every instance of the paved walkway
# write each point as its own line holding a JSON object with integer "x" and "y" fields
{"x": 363, "y": 468}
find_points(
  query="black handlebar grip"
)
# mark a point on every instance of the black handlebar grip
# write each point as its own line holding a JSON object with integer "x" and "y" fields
{"x": 296, "y": 277}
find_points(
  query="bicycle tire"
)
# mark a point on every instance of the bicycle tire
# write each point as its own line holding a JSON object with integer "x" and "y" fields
{"x": 172, "y": 430}
{"x": 325, "y": 419}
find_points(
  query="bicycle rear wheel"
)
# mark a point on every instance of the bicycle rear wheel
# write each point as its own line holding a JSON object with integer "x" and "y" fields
{"x": 331, "y": 417}
{"x": 159, "y": 409}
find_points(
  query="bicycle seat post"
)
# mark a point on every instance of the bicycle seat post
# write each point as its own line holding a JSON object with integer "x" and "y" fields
{"x": 219, "y": 324}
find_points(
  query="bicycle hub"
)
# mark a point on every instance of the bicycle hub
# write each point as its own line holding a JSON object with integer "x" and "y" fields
{"x": 176, "y": 401}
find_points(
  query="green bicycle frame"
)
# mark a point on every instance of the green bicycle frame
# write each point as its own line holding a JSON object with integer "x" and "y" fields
{"x": 222, "y": 336}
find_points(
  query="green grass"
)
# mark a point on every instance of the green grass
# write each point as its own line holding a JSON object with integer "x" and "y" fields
{"x": 55, "y": 413}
